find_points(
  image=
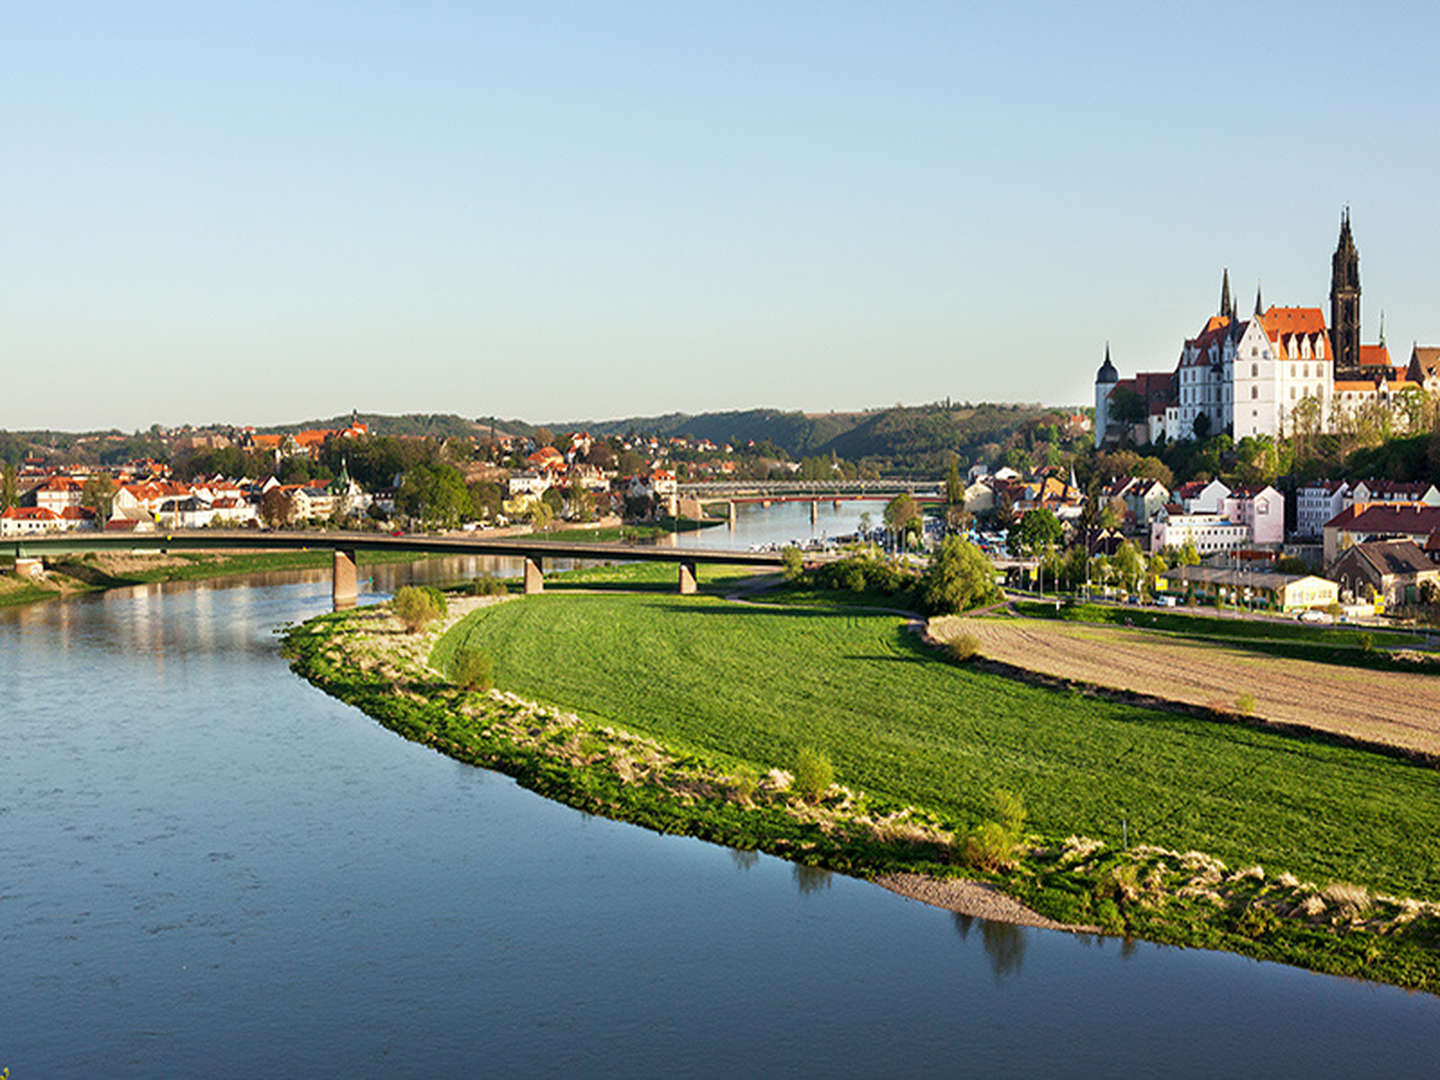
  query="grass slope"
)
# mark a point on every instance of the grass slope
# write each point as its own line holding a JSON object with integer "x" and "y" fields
{"x": 757, "y": 684}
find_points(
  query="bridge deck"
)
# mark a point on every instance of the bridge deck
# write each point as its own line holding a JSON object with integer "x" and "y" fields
{"x": 256, "y": 539}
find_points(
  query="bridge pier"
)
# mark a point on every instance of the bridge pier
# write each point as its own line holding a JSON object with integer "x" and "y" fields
{"x": 814, "y": 512}
{"x": 837, "y": 504}
{"x": 730, "y": 513}
{"x": 688, "y": 584}
{"x": 534, "y": 575}
{"x": 344, "y": 592}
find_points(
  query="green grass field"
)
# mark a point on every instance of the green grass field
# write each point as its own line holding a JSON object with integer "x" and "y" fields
{"x": 756, "y": 684}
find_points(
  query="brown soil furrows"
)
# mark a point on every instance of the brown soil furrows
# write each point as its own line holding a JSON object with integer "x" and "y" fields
{"x": 1394, "y": 708}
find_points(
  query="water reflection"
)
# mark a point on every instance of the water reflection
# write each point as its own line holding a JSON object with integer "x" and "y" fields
{"x": 744, "y": 860}
{"x": 1004, "y": 942}
{"x": 810, "y": 879}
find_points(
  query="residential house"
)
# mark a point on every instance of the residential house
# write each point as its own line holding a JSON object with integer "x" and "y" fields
{"x": 1393, "y": 571}
{"x": 1358, "y": 524}
{"x": 1316, "y": 503}
{"x": 1202, "y": 496}
{"x": 1262, "y": 509}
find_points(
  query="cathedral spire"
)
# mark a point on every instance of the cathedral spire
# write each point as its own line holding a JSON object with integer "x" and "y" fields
{"x": 1382, "y": 326}
{"x": 1259, "y": 307}
{"x": 1227, "y": 306}
{"x": 1345, "y": 298}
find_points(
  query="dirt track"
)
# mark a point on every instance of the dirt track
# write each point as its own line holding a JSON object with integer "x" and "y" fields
{"x": 1391, "y": 707}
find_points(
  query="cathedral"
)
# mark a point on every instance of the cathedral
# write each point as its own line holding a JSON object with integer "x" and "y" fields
{"x": 1280, "y": 370}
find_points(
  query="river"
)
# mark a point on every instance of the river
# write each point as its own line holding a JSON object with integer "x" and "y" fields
{"x": 207, "y": 867}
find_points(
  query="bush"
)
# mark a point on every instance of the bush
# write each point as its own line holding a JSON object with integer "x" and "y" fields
{"x": 471, "y": 668}
{"x": 994, "y": 844}
{"x": 813, "y": 774}
{"x": 486, "y": 585}
{"x": 1365, "y": 640}
{"x": 990, "y": 847}
{"x": 1245, "y": 704}
{"x": 963, "y": 647}
{"x": 416, "y": 607}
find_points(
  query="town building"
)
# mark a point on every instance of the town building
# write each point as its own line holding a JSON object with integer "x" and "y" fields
{"x": 1393, "y": 571}
{"x": 1316, "y": 502}
{"x": 1359, "y": 524}
{"x": 1260, "y": 588}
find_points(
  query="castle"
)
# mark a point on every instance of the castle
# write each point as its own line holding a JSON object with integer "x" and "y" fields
{"x": 1274, "y": 373}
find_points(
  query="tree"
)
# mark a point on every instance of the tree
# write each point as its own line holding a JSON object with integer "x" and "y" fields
{"x": 539, "y": 514}
{"x": 582, "y": 503}
{"x": 275, "y": 508}
{"x": 9, "y": 488}
{"x": 954, "y": 489}
{"x": 544, "y": 437}
{"x": 600, "y": 455}
{"x": 1201, "y": 426}
{"x": 1126, "y": 406}
{"x": 794, "y": 565}
{"x": 99, "y": 492}
{"x": 959, "y": 577}
{"x": 902, "y": 514}
{"x": 1037, "y": 530}
{"x": 417, "y": 607}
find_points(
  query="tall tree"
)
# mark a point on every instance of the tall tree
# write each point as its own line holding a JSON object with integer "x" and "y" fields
{"x": 9, "y": 488}
{"x": 954, "y": 489}
{"x": 99, "y": 493}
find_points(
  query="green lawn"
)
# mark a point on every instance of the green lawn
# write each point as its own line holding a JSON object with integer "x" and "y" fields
{"x": 758, "y": 683}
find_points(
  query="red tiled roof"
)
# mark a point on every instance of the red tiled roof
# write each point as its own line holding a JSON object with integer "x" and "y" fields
{"x": 30, "y": 513}
{"x": 1411, "y": 519}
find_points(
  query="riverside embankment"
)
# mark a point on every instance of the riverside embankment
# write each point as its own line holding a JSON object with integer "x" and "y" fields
{"x": 687, "y": 715}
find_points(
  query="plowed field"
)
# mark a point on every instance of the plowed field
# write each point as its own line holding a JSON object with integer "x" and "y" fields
{"x": 1395, "y": 708}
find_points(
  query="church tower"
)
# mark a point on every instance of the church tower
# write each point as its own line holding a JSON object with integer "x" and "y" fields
{"x": 1105, "y": 380}
{"x": 1227, "y": 305}
{"x": 1345, "y": 300}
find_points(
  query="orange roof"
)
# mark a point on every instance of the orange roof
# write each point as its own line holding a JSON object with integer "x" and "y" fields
{"x": 29, "y": 513}
{"x": 1374, "y": 355}
{"x": 269, "y": 441}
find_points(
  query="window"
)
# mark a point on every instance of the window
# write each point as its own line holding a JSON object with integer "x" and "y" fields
{"x": 1254, "y": 392}
{"x": 1254, "y": 370}
{"x": 1305, "y": 370}
{"x": 1292, "y": 371}
{"x": 1292, "y": 393}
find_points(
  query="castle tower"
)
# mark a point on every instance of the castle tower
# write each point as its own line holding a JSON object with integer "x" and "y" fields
{"x": 1345, "y": 300}
{"x": 1105, "y": 380}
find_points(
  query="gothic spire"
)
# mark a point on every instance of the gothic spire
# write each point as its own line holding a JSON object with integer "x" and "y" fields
{"x": 1382, "y": 326}
{"x": 1259, "y": 307}
{"x": 1227, "y": 306}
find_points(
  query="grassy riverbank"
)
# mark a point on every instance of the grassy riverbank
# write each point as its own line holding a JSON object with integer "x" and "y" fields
{"x": 719, "y": 695}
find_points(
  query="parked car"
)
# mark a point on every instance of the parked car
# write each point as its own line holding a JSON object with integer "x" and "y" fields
{"x": 1313, "y": 616}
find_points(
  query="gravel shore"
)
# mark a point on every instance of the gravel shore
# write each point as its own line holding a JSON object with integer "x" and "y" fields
{"x": 975, "y": 898}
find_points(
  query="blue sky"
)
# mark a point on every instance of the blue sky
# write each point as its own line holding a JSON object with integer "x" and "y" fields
{"x": 283, "y": 211}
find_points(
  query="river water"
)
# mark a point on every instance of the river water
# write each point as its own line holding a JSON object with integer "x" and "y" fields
{"x": 207, "y": 867}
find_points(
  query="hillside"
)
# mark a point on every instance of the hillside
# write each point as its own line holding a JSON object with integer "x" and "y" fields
{"x": 797, "y": 433}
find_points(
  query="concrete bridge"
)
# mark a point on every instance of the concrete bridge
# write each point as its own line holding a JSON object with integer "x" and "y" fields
{"x": 873, "y": 489}
{"x": 345, "y": 546}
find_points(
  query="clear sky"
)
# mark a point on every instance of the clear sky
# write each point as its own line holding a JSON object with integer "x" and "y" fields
{"x": 565, "y": 211}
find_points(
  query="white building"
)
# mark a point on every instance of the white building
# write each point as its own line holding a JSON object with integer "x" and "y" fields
{"x": 1315, "y": 504}
{"x": 1209, "y": 532}
{"x": 1202, "y": 496}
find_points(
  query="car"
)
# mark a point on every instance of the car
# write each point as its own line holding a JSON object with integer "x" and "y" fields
{"x": 1313, "y": 616}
